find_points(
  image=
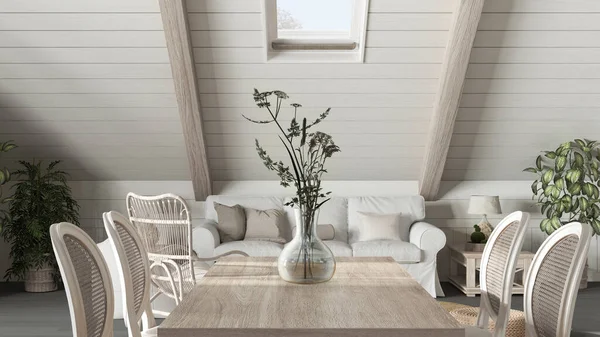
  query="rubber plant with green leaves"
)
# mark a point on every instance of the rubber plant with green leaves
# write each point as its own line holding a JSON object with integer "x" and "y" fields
{"x": 567, "y": 182}
{"x": 4, "y": 179}
{"x": 41, "y": 198}
{"x": 308, "y": 151}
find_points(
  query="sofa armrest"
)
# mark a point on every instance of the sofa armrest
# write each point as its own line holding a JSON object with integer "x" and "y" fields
{"x": 428, "y": 238}
{"x": 205, "y": 238}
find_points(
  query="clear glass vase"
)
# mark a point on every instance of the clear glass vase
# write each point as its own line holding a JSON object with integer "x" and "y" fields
{"x": 306, "y": 259}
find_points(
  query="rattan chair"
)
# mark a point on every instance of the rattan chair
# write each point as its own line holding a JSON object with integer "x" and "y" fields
{"x": 87, "y": 281}
{"x": 552, "y": 283}
{"x": 496, "y": 278}
{"x": 165, "y": 227}
{"x": 134, "y": 273}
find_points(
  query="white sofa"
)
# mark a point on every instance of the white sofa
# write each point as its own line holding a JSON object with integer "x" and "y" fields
{"x": 418, "y": 256}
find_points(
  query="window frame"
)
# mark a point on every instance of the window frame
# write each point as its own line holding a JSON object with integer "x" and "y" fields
{"x": 315, "y": 50}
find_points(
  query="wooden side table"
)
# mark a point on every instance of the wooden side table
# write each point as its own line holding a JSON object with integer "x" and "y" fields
{"x": 469, "y": 262}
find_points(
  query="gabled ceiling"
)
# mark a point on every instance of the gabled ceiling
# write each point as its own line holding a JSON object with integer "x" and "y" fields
{"x": 90, "y": 83}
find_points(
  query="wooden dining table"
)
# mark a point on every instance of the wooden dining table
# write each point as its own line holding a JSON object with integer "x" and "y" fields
{"x": 367, "y": 296}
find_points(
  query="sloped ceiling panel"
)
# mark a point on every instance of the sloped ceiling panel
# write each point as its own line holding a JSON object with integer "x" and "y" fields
{"x": 532, "y": 85}
{"x": 89, "y": 82}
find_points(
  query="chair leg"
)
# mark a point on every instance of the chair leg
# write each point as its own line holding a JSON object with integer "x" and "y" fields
{"x": 483, "y": 318}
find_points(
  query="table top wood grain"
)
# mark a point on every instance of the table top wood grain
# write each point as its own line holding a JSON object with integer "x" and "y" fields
{"x": 366, "y": 297}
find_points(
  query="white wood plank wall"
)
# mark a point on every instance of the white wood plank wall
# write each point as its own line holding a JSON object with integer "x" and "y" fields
{"x": 90, "y": 82}
{"x": 534, "y": 63}
{"x": 533, "y": 84}
{"x": 380, "y": 108}
{"x": 450, "y": 214}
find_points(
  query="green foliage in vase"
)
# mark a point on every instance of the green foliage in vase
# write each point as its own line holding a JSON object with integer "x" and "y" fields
{"x": 567, "y": 182}
{"x": 41, "y": 198}
{"x": 307, "y": 151}
{"x": 4, "y": 179}
{"x": 477, "y": 236}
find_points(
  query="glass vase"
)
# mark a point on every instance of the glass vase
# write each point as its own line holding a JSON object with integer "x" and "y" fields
{"x": 306, "y": 259}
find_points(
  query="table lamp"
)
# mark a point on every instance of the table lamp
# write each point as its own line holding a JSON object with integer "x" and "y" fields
{"x": 484, "y": 205}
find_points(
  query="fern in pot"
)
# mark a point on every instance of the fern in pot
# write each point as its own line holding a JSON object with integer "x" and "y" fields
{"x": 4, "y": 179}
{"x": 567, "y": 186}
{"x": 306, "y": 259}
{"x": 41, "y": 198}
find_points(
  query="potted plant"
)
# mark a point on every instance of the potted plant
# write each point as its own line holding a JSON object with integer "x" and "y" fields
{"x": 566, "y": 186}
{"x": 4, "y": 179}
{"x": 41, "y": 198}
{"x": 306, "y": 259}
{"x": 478, "y": 240}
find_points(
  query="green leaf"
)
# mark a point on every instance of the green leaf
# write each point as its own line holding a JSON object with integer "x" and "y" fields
{"x": 595, "y": 191}
{"x": 583, "y": 204}
{"x": 580, "y": 142}
{"x": 561, "y": 163}
{"x": 555, "y": 222}
{"x": 559, "y": 183}
{"x": 575, "y": 189}
{"x": 550, "y": 154}
{"x": 588, "y": 190}
{"x": 534, "y": 187}
{"x": 555, "y": 192}
{"x": 548, "y": 191}
{"x": 575, "y": 175}
{"x": 578, "y": 159}
{"x": 547, "y": 176}
{"x": 544, "y": 207}
{"x": 544, "y": 224}
{"x": 538, "y": 162}
{"x": 530, "y": 169}
{"x": 595, "y": 226}
{"x": 3, "y": 178}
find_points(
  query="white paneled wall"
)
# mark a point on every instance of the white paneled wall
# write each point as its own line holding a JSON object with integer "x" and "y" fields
{"x": 380, "y": 109}
{"x": 450, "y": 214}
{"x": 533, "y": 83}
{"x": 90, "y": 82}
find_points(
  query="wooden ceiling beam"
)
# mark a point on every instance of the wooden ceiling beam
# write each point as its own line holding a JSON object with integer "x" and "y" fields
{"x": 445, "y": 108}
{"x": 175, "y": 23}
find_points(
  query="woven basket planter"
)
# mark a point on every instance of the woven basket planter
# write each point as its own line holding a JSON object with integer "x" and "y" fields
{"x": 41, "y": 280}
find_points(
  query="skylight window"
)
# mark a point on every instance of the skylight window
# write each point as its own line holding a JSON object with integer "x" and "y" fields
{"x": 315, "y": 30}
{"x": 299, "y": 19}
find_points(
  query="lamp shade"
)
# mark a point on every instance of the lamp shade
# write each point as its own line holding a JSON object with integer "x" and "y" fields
{"x": 484, "y": 204}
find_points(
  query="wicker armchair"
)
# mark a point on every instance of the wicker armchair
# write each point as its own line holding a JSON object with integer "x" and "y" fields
{"x": 164, "y": 224}
{"x": 87, "y": 281}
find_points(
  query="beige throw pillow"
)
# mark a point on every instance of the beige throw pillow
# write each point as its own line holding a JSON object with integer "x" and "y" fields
{"x": 264, "y": 225}
{"x": 232, "y": 222}
{"x": 383, "y": 227}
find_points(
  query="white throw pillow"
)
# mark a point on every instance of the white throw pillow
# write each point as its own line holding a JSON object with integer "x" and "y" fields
{"x": 383, "y": 226}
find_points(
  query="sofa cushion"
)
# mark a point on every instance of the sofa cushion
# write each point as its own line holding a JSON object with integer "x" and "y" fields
{"x": 232, "y": 226}
{"x": 262, "y": 203}
{"x": 383, "y": 227}
{"x": 334, "y": 212}
{"x": 252, "y": 248}
{"x": 265, "y": 225}
{"x": 339, "y": 248}
{"x": 402, "y": 252}
{"x": 411, "y": 206}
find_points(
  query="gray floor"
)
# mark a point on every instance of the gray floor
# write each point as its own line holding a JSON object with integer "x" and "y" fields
{"x": 23, "y": 314}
